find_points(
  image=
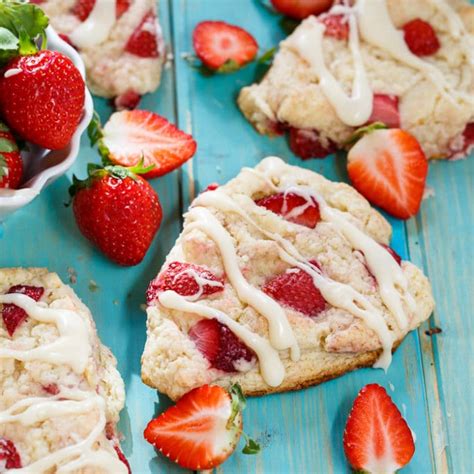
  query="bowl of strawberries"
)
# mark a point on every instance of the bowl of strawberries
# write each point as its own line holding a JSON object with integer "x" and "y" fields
{"x": 44, "y": 105}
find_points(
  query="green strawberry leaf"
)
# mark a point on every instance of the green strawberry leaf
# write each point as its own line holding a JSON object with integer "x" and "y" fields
{"x": 8, "y": 41}
{"x": 94, "y": 129}
{"x": 3, "y": 167}
{"x": 267, "y": 57}
{"x": 229, "y": 66}
{"x": 251, "y": 446}
{"x": 360, "y": 132}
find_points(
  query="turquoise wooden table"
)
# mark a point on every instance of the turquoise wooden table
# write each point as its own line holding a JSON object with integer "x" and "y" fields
{"x": 431, "y": 378}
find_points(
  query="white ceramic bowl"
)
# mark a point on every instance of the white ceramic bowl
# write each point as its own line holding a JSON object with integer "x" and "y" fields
{"x": 43, "y": 166}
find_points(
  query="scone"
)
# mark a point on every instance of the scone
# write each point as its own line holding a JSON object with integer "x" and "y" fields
{"x": 60, "y": 392}
{"x": 354, "y": 65}
{"x": 280, "y": 279}
{"x": 120, "y": 42}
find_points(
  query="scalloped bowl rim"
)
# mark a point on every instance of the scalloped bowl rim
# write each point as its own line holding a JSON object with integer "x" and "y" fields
{"x": 18, "y": 198}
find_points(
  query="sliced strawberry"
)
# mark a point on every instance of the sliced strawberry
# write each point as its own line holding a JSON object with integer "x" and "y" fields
{"x": 337, "y": 26}
{"x": 133, "y": 135}
{"x": 221, "y": 347}
{"x": 129, "y": 100}
{"x": 377, "y": 438}
{"x": 392, "y": 252}
{"x": 13, "y": 315}
{"x": 186, "y": 279}
{"x": 389, "y": 168}
{"x": 421, "y": 38}
{"x": 295, "y": 288}
{"x": 122, "y": 457}
{"x": 9, "y": 455}
{"x": 463, "y": 144}
{"x": 83, "y": 8}
{"x": 51, "y": 388}
{"x": 211, "y": 187}
{"x": 293, "y": 208}
{"x": 300, "y": 9}
{"x": 308, "y": 144}
{"x": 385, "y": 110}
{"x": 201, "y": 431}
{"x": 144, "y": 40}
{"x": 217, "y": 43}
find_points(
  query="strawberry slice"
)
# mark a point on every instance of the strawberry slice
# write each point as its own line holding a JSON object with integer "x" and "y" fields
{"x": 300, "y": 9}
{"x": 392, "y": 252}
{"x": 129, "y": 100}
{"x": 83, "y": 8}
{"x": 223, "y": 47}
{"x": 132, "y": 135}
{"x": 295, "y": 288}
{"x": 293, "y": 208}
{"x": 385, "y": 110}
{"x": 377, "y": 438}
{"x": 389, "y": 168}
{"x": 421, "y": 38}
{"x": 186, "y": 279}
{"x": 144, "y": 40}
{"x": 221, "y": 347}
{"x": 202, "y": 430}
{"x": 9, "y": 456}
{"x": 308, "y": 144}
{"x": 337, "y": 26}
{"x": 122, "y": 458}
{"x": 13, "y": 315}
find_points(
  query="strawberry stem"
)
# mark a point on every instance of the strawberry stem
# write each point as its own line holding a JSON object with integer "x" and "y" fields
{"x": 360, "y": 132}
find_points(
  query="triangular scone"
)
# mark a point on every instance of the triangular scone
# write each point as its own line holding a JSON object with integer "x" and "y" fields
{"x": 111, "y": 70}
{"x": 433, "y": 93}
{"x": 323, "y": 285}
{"x": 60, "y": 391}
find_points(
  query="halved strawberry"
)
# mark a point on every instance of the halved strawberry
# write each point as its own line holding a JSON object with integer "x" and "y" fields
{"x": 13, "y": 315}
{"x": 293, "y": 208}
{"x": 223, "y": 47}
{"x": 337, "y": 26}
{"x": 83, "y": 8}
{"x": 421, "y": 38}
{"x": 144, "y": 40}
{"x": 385, "y": 110}
{"x": 221, "y": 347}
{"x": 300, "y": 9}
{"x": 377, "y": 438}
{"x": 295, "y": 288}
{"x": 309, "y": 144}
{"x": 186, "y": 279}
{"x": 389, "y": 168}
{"x": 202, "y": 430}
{"x": 9, "y": 456}
{"x": 132, "y": 135}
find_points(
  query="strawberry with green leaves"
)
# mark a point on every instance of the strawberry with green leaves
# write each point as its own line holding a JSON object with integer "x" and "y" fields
{"x": 11, "y": 165}
{"x": 203, "y": 429}
{"x": 118, "y": 211}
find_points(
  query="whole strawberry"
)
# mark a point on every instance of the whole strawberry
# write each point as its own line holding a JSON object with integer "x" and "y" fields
{"x": 11, "y": 165}
{"x": 118, "y": 211}
{"x": 42, "y": 98}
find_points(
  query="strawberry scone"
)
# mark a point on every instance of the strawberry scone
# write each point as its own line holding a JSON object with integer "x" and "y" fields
{"x": 406, "y": 63}
{"x": 120, "y": 42}
{"x": 60, "y": 392}
{"x": 281, "y": 279}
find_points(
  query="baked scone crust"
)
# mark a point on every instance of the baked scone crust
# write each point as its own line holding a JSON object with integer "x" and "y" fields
{"x": 289, "y": 94}
{"x": 22, "y": 380}
{"x": 331, "y": 344}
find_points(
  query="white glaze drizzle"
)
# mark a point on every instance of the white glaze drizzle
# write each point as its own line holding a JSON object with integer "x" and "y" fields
{"x": 356, "y": 109}
{"x": 271, "y": 367}
{"x": 96, "y": 28}
{"x": 72, "y": 346}
{"x": 280, "y": 331}
{"x": 337, "y": 294}
{"x": 200, "y": 281}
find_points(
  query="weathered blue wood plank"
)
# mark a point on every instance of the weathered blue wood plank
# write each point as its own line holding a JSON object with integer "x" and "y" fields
{"x": 301, "y": 432}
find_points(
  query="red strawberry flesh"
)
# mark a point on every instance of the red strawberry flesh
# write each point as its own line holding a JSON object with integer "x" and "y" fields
{"x": 337, "y": 26}
{"x": 308, "y": 144}
{"x": 421, "y": 38}
{"x": 144, "y": 40}
{"x": 129, "y": 100}
{"x": 83, "y": 8}
{"x": 11, "y": 164}
{"x": 377, "y": 438}
{"x": 182, "y": 278}
{"x": 385, "y": 110}
{"x": 295, "y": 289}
{"x": 300, "y": 9}
{"x": 13, "y": 315}
{"x": 122, "y": 458}
{"x": 285, "y": 204}
{"x": 221, "y": 347}
{"x": 216, "y": 42}
{"x": 9, "y": 455}
{"x": 392, "y": 252}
